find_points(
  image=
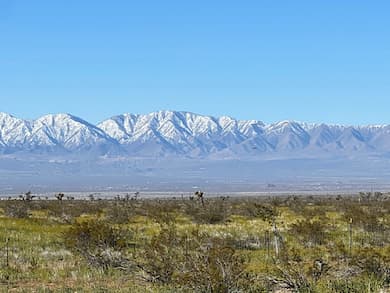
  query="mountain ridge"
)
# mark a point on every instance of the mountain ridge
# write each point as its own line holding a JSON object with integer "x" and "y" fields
{"x": 182, "y": 133}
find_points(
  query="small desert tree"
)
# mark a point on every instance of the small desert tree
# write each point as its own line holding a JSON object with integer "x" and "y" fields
{"x": 59, "y": 196}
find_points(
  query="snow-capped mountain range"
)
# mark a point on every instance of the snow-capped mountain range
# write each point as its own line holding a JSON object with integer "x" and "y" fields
{"x": 167, "y": 133}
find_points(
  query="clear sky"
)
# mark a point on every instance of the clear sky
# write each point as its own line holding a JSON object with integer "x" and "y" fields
{"x": 315, "y": 61}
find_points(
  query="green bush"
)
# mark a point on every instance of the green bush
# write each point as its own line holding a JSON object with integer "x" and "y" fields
{"x": 193, "y": 261}
{"x": 213, "y": 266}
{"x": 311, "y": 233}
{"x": 161, "y": 257}
{"x": 211, "y": 212}
{"x": 265, "y": 212}
{"x": 99, "y": 243}
{"x": 373, "y": 263}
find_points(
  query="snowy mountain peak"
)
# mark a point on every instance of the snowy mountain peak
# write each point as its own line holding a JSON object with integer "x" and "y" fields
{"x": 4, "y": 115}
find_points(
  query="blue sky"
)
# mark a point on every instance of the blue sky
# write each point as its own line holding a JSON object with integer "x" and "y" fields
{"x": 315, "y": 61}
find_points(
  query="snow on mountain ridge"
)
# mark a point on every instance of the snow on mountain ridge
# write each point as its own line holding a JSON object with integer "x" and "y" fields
{"x": 66, "y": 130}
{"x": 52, "y": 132}
{"x": 13, "y": 131}
{"x": 186, "y": 133}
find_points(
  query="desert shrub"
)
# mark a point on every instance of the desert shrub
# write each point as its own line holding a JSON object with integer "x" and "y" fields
{"x": 310, "y": 232}
{"x": 162, "y": 211}
{"x": 310, "y": 212}
{"x": 277, "y": 201}
{"x": 296, "y": 271}
{"x": 373, "y": 263}
{"x": 354, "y": 285}
{"x": 160, "y": 258}
{"x": 254, "y": 283}
{"x": 293, "y": 278}
{"x": 213, "y": 266}
{"x": 296, "y": 204}
{"x": 265, "y": 212}
{"x": 120, "y": 212}
{"x": 17, "y": 209}
{"x": 99, "y": 243}
{"x": 364, "y": 217}
{"x": 193, "y": 261}
{"x": 67, "y": 210}
{"x": 212, "y": 212}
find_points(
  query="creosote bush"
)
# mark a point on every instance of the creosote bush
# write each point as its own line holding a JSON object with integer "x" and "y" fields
{"x": 99, "y": 243}
{"x": 120, "y": 212}
{"x": 373, "y": 263}
{"x": 192, "y": 260}
{"x": 213, "y": 266}
{"x": 265, "y": 212}
{"x": 162, "y": 256}
{"x": 310, "y": 232}
{"x": 213, "y": 211}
